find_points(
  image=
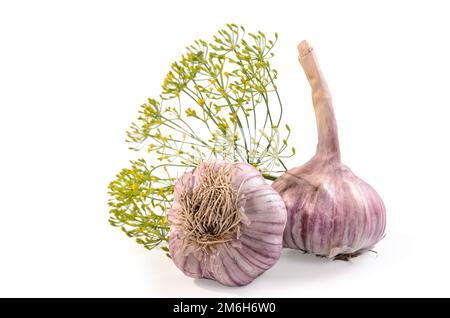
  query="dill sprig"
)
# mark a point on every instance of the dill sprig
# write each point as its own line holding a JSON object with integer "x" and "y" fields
{"x": 219, "y": 100}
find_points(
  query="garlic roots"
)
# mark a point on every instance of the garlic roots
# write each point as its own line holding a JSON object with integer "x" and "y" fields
{"x": 330, "y": 211}
{"x": 226, "y": 223}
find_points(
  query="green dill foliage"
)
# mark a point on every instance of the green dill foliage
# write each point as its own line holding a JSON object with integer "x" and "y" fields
{"x": 138, "y": 198}
{"x": 219, "y": 100}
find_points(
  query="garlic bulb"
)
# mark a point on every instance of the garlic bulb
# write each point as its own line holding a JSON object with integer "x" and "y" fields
{"x": 226, "y": 223}
{"x": 331, "y": 212}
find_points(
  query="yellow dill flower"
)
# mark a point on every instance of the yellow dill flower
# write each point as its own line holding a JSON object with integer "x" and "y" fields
{"x": 191, "y": 112}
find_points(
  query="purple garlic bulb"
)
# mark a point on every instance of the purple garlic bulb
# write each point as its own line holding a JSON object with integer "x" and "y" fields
{"x": 226, "y": 223}
{"x": 330, "y": 211}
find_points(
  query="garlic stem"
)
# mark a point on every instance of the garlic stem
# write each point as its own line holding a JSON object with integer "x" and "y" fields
{"x": 328, "y": 142}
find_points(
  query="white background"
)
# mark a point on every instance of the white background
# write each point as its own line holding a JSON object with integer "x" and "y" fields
{"x": 73, "y": 73}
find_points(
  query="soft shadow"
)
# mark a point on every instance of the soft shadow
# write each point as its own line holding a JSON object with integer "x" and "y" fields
{"x": 293, "y": 268}
{"x": 296, "y": 267}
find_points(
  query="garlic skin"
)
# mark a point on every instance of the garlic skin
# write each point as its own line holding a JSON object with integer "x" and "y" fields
{"x": 331, "y": 212}
{"x": 249, "y": 250}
